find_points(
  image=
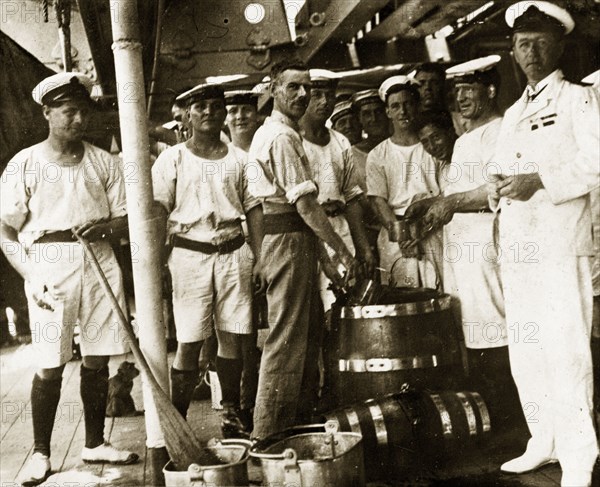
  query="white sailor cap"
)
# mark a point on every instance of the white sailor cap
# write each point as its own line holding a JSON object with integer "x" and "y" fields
{"x": 203, "y": 91}
{"x": 404, "y": 81}
{"x": 264, "y": 96}
{"x": 480, "y": 70}
{"x": 592, "y": 79}
{"x": 365, "y": 96}
{"x": 263, "y": 86}
{"x": 323, "y": 78}
{"x": 241, "y": 97}
{"x": 62, "y": 87}
{"x": 171, "y": 124}
{"x": 538, "y": 16}
{"x": 341, "y": 108}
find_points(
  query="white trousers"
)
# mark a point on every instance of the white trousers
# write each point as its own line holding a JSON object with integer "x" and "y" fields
{"x": 548, "y": 315}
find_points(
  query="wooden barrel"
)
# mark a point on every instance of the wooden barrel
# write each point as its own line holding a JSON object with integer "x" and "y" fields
{"x": 378, "y": 349}
{"x": 388, "y": 440}
{"x": 403, "y": 432}
{"x": 449, "y": 422}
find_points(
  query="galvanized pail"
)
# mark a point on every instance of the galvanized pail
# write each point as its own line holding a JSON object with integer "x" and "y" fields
{"x": 325, "y": 457}
{"x": 233, "y": 470}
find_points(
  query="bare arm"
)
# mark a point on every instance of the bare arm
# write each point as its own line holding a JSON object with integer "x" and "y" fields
{"x": 314, "y": 216}
{"x": 13, "y": 250}
{"x": 17, "y": 257}
{"x": 255, "y": 229}
{"x": 388, "y": 219}
{"x": 442, "y": 209}
{"x": 111, "y": 230}
{"x": 354, "y": 216}
{"x": 254, "y": 218}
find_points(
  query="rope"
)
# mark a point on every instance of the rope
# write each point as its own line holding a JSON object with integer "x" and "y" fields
{"x": 45, "y": 10}
{"x": 63, "y": 13}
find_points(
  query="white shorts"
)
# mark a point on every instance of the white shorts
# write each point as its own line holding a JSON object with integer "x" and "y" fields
{"x": 63, "y": 266}
{"x": 211, "y": 288}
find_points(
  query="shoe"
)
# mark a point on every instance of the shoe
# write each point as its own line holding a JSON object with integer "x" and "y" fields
{"x": 106, "y": 453}
{"x": 201, "y": 392}
{"x": 526, "y": 463}
{"x": 247, "y": 419}
{"x": 576, "y": 478}
{"x": 36, "y": 471}
{"x": 232, "y": 426}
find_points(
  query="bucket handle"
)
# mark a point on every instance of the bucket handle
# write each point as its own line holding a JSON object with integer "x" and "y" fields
{"x": 291, "y": 469}
{"x": 195, "y": 472}
{"x": 236, "y": 442}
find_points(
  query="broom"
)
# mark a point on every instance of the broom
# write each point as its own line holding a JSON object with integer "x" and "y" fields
{"x": 183, "y": 446}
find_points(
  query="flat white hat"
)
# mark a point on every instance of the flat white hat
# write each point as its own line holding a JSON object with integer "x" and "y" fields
{"x": 395, "y": 81}
{"x": 473, "y": 67}
{"x": 61, "y": 87}
{"x": 538, "y": 16}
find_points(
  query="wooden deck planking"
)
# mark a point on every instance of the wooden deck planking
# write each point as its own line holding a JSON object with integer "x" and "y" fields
{"x": 13, "y": 372}
{"x": 472, "y": 468}
{"x": 17, "y": 373}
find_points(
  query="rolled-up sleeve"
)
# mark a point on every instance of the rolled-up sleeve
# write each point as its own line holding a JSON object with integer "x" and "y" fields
{"x": 290, "y": 168}
{"x": 164, "y": 178}
{"x": 376, "y": 179}
{"x": 14, "y": 195}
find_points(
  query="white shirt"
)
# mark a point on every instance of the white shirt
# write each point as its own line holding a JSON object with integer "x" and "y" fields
{"x": 332, "y": 167}
{"x": 473, "y": 151}
{"x": 40, "y": 196}
{"x": 401, "y": 174}
{"x": 206, "y": 199}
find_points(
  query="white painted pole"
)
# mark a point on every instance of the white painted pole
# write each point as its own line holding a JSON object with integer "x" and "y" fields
{"x": 146, "y": 234}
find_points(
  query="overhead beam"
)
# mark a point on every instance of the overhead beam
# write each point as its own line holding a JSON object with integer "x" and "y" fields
{"x": 419, "y": 18}
{"x": 340, "y": 20}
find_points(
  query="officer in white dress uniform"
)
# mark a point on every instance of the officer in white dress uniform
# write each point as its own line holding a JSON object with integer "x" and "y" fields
{"x": 547, "y": 158}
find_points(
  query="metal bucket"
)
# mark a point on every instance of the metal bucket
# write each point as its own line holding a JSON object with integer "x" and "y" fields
{"x": 233, "y": 471}
{"x": 313, "y": 455}
{"x": 377, "y": 349}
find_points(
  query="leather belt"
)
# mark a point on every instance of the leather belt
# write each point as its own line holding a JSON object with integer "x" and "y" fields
{"x": 55, "y": 237}
{"x": 275, "y": 223}
{"x": 390, "y": 364}
{"x": 207, "y": 248}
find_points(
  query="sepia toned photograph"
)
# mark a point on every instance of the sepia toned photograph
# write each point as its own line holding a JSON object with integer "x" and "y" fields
{"x": 300, "y": 243}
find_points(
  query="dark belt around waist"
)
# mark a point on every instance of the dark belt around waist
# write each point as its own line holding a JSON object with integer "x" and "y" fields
{"x": 208, "y": 248}
{"x": 55, "y": 237}
{"x": 275, "y": 223}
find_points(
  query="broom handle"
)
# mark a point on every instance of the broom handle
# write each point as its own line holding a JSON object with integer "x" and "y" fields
{"x": 135, "y": 348}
